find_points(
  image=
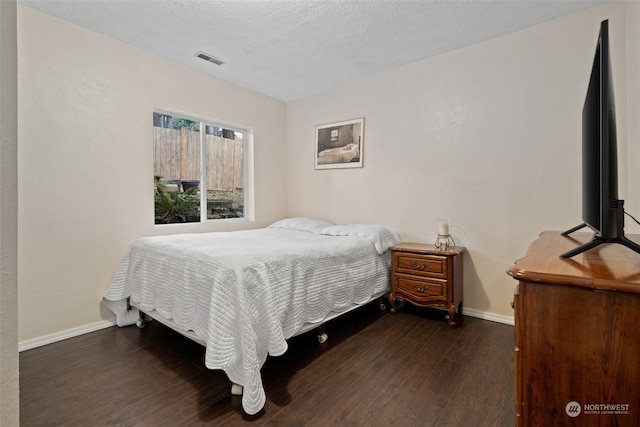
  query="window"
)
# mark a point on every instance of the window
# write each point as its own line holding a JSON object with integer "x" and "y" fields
{"x": 198, "y": 170}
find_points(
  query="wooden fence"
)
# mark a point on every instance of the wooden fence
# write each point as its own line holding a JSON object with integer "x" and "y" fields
{"x": 177, "y": 157}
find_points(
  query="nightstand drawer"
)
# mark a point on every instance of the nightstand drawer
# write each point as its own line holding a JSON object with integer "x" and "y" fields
{"x": 419, "y": 287}
{"x": 432, "y": 266}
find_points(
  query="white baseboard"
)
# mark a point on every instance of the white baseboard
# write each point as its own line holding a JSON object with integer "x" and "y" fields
{"x": 488, "y": 316}
{"x": 63, "y": 335}
{"x": 70, "y": 333}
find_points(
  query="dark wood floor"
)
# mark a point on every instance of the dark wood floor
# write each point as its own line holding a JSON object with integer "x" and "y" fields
{"x": 376, "y": 369}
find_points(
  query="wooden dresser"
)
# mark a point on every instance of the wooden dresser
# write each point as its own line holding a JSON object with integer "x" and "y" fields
{"x": 577, "y": 334}
{"x": 426, "y": 276}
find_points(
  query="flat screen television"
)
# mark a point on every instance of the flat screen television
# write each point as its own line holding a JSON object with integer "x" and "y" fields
{"x": 602, "y": 211}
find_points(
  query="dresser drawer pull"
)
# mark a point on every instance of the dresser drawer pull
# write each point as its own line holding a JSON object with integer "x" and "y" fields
{"x": 419, "y": 266}
{"x": 420, "y": 289}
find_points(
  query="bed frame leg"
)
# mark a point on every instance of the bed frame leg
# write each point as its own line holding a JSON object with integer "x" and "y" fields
{"x": 141, "y": 320}
{"x": 322, "y": 335}
{"x": 236, "y": 389}
{"x": 381, "y": 305}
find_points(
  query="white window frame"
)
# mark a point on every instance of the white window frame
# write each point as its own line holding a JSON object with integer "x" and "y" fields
{"x": 247, "y": 169}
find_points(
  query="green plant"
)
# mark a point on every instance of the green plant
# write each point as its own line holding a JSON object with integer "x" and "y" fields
{"x": 170, "y": 209}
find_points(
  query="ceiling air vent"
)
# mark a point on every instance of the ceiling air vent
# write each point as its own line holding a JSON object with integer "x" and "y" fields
{"x": 209, "y": 58}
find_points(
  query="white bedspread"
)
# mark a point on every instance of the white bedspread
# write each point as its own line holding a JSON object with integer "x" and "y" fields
{"x": 245, "y": 292}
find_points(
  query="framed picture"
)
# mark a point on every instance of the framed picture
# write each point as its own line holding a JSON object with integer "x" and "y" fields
{"x": 340, "y": 144}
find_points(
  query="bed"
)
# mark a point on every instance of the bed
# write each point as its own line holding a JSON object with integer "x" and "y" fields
{"x": 242, "y": 294}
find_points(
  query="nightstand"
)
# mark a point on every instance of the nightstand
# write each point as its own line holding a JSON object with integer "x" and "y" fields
{"x": 426, "y": 276}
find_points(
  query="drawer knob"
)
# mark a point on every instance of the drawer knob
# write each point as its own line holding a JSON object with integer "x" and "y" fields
{"x": 420, "y": 288}
{"x": 419, "y": 266}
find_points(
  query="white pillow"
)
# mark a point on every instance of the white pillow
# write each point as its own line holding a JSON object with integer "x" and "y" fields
{"x": 380, "y": 236}
{"x": 302, "y": 224}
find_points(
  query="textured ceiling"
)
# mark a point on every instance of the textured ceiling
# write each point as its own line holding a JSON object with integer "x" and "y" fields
{"x": 292, "y": 49}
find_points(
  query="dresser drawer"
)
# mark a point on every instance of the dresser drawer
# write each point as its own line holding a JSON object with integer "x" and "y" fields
{"x": 420, "y": 288}
{"x": 426, "y": 265}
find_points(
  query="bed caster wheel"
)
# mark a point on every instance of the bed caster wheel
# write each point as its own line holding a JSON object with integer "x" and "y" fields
{"x": 322, "y": 338}
{"x": 382, "y": 306}
{"x": 236, "y": 389}
{"x": 140, "y": 323}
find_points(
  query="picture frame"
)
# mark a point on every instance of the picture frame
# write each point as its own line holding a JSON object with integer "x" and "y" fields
{"x": 339, "y": 145}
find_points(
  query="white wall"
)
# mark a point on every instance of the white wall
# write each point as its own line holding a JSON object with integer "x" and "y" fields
{"x": 632, "y": 204}
{"x": 86, "y": 162}
{"x": 9, "y": 413}
{"x": 489, "y": 136}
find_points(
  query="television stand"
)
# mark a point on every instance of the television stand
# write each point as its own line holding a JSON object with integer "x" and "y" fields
{"x": 576, "y": 335}
{"x": 598, "y": 240}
